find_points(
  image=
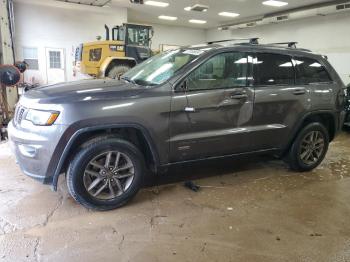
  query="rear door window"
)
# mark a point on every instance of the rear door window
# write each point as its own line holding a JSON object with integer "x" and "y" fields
{"x": 273, "y": 69}
{"x": 310, "y": 71}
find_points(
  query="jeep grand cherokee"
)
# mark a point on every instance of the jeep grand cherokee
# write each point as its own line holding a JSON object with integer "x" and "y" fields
{"x": 184, "y": 105}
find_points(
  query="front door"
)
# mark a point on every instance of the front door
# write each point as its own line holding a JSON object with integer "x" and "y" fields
{"x": 212, "y": 117}
{"x": 55, "y": 65}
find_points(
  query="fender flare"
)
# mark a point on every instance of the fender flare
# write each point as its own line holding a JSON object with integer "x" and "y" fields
{"x": 77, "y": 133}
{"x": 298, "y": 126}
{"x": 109, "y": 60}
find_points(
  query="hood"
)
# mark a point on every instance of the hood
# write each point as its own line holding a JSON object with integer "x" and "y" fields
{"x": 97, "y": 88}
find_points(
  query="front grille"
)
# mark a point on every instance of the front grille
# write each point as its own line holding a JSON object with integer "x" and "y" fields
{"x": 19, "y": 113}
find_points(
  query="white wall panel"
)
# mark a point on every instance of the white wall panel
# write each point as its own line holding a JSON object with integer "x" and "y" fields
{"x": 64, "y": 26}
{"x": 328, "y": 35}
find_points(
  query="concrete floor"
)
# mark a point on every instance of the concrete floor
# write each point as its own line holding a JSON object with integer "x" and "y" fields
{"x": 246, "y": 210}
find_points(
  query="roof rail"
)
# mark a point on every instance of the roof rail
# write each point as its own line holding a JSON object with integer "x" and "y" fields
{"x": 289, "y": 44}
{"x": 252, "y": 41}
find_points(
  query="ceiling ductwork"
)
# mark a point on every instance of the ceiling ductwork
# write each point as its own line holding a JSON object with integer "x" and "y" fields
{"x": 99, "y": 3}
{"x": 324, "y": 9}
{"x": 199, "y": 8}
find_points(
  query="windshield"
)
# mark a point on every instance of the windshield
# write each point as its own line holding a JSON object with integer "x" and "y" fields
{"x": 158, "y": 69}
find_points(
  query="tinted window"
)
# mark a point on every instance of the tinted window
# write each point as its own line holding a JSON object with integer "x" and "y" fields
{"x": 273, "y": 69}
{"x": 310, "y": 71}
{"x": 222, "y": 71}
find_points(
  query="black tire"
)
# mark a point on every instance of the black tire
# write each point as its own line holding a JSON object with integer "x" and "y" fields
{"x": 294, "y": 159}
{"x": 76, "y": 170}
{"x": 118, "y": 70}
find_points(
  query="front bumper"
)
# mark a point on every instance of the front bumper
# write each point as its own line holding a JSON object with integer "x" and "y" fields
{"x": 34, "y": 147}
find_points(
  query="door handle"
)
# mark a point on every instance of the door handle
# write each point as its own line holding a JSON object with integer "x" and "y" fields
{"x": 238, "y": 95}
{"x": 190, "y": 109}
{"x": 300, "y": 91}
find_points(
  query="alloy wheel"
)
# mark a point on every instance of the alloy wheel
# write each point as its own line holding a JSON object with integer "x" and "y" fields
{"x": 108, "y": 175}
{"x": 312, "y": 147}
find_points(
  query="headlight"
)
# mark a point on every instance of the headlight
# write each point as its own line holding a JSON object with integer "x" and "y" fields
{"x": 42, "y": 118}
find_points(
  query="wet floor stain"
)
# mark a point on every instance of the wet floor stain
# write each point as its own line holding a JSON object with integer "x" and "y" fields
{"x": 251, "y": 209}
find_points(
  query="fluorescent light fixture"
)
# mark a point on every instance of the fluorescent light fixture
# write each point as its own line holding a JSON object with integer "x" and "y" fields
{"x": 275, "y": 3}
{"x": 88, "y": 90}
{"x": 287, "y": 64}
{"x": 195, "y": 21}
{"x": 117, "y": 106}
{"x": 250, "y": 59}
{"x": 156, "y": 3}
{"x": 315, "y": 65}
{"x": 228, "y": 14}
{"x": 165, "y": 17}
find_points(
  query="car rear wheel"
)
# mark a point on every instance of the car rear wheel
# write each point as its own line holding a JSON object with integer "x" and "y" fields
{"x": 309, "y": 148}
{"x": 105, "y": 174}
{"x": 117, "y": 71}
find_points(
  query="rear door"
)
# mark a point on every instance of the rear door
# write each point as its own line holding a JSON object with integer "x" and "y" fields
{"x": 211, "y": 118}
{"x": 279, "y": 101}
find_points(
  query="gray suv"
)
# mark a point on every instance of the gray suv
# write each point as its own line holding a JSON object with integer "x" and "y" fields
{"x": 195, "y": 103}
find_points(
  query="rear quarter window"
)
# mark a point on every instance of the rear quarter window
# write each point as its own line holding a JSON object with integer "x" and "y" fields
{"x": 310, "y": 71}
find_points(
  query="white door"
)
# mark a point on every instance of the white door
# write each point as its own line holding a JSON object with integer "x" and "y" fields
{"x": 55, "y": 65}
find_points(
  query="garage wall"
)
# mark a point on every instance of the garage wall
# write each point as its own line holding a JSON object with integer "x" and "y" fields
{"x": 50, "y": 24}
{"x": 328, "y": 35}
{"x": 174, "y": 35}
{"x": 61, "y": 25}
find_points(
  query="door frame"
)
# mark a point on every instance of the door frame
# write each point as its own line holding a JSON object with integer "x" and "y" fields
{"x": 63, "y": 61}
{"x": 177, "y": 91}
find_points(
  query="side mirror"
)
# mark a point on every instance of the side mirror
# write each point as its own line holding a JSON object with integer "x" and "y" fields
{"x": 182, "y": 87}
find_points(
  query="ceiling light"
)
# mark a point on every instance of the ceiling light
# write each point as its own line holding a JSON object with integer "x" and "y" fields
{"x": 156, "y": 3}
{"x": 195, "y": 21}
{"x": 188, "y": 8}
{"x": 228, "y": 14}
{"x": 165, "y": 17}
{"x": 275, "y": 3}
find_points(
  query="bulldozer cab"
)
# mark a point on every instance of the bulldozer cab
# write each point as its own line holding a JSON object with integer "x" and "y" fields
{"x": 133, "y": 34}
{"x": 128, "y": 45}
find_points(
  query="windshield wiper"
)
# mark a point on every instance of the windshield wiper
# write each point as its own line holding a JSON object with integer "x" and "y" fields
{"x": 128, "y": 79}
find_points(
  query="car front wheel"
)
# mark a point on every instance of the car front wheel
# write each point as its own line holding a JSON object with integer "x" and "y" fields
{"x": 105, "y": 174}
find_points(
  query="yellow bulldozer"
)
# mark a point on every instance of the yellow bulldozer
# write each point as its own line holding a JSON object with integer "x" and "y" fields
{"x": 128, "y": 45}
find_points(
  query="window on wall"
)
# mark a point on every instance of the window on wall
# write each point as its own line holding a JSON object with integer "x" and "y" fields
{"x": 273, "y": 69}
{"x": 310, "y": 71}
{"x": 55, "y": 59}
{"x": 30, "y": 56}
{"x": 225, "y": 70}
